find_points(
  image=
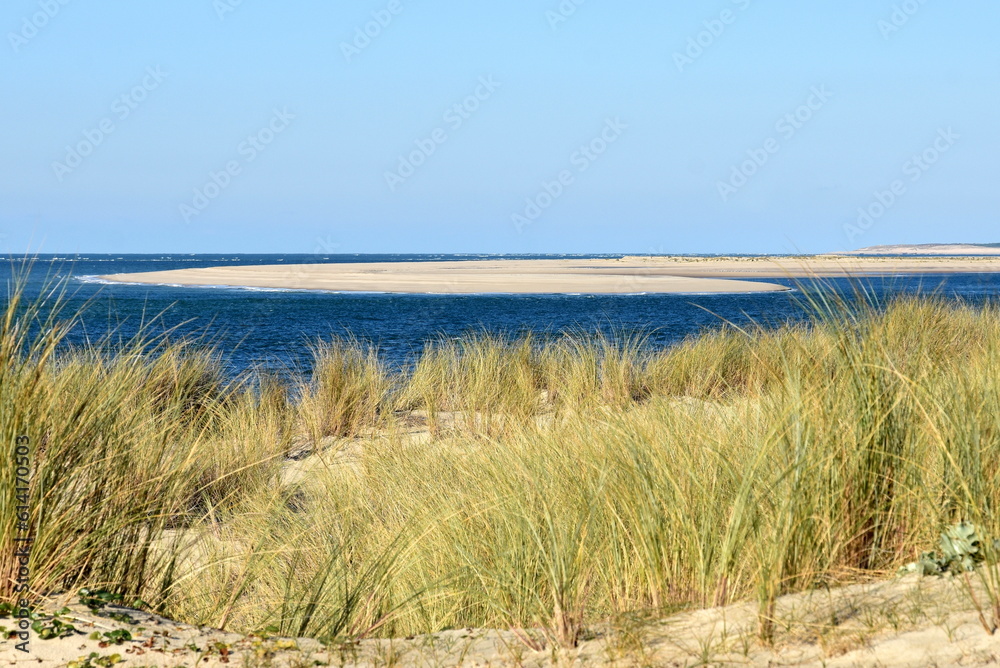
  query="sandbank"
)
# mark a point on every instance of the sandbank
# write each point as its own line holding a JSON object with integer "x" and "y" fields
{"x": 631, "y": 274}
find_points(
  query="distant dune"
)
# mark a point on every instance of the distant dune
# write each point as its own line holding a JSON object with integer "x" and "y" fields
{"x": 929, "y": 249}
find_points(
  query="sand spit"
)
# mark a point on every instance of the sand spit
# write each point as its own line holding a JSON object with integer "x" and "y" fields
{"x": 909, "y": 621}
{"x": 568, "y": 276}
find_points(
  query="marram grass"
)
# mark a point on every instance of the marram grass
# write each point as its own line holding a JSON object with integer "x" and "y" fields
{"x": 562, "y": 483}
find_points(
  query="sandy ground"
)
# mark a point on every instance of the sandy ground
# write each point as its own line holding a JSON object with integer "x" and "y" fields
{"x": 909, "y": 621}
{"x": 604, "y": 276}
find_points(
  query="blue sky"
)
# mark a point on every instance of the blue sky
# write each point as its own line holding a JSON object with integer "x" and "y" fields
{"x": 582, "y": 125}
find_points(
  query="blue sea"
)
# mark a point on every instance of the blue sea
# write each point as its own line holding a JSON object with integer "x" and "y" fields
{"x": 272, "y": 329}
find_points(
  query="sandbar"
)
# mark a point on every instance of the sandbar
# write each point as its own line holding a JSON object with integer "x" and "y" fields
{"x": 630, "y": 274}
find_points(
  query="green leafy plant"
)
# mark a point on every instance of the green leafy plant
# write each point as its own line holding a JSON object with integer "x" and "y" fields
{"x": 95, "y": 660}
{"x": 54, "y": 628}
{"x": 961, "y": 550}
{"x": 98, "y": 599}
{"x": 116, "y": 637}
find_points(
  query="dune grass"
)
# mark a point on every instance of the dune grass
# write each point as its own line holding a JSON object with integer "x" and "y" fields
{"x": 577, "y": 479}
{"x": 347, "y": 393}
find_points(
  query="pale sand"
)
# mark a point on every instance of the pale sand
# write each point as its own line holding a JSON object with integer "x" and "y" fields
{"x": 604, "y": 276}
{"x": 909, "y": 622}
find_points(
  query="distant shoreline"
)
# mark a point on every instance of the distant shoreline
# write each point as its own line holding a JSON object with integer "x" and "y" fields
{"x": 626, "y": 275}
{"x": 944, "y": 250}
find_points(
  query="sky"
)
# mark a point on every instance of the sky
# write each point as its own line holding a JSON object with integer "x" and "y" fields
{"x": 539, "y": 126}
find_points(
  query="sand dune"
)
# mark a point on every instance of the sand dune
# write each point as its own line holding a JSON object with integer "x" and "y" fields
{"x": 603, "y": 276}
{"x": 928, "y": 249}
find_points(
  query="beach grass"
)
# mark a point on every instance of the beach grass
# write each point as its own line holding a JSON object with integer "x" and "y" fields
{"x": 541, "y": 485}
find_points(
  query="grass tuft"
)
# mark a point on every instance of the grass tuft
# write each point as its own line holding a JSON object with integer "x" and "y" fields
{"x": 566, "y": 481}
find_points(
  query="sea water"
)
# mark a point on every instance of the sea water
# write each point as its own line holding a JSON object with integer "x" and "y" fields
{"x": 272, "y": 329}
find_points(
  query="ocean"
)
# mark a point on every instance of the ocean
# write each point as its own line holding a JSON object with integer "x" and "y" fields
{"x": 272, "y": 329}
